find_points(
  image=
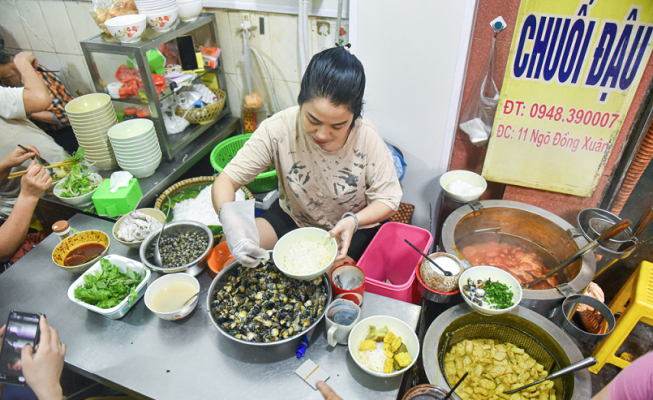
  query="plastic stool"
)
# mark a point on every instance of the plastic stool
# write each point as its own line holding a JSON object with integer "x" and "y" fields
{"x": 635, "y": 303}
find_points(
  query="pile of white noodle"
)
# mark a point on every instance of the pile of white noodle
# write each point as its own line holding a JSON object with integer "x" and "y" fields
{"x": 306, "y": 257}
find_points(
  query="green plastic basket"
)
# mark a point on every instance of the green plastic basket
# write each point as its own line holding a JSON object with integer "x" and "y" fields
{"x": 226, "y": 150}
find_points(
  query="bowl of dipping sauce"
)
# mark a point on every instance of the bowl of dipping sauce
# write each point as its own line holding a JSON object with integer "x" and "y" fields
{"x": 78, "y": 252}
{"x": 166, "y": 296}
{"x": 435, "y": 279}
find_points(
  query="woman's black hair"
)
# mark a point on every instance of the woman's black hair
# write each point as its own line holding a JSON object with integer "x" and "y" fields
{"x": 5, "y": 56}
{"x": 336, "y": 75}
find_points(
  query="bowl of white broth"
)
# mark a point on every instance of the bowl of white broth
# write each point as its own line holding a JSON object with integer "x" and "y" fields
{"x": 166, "y": 296}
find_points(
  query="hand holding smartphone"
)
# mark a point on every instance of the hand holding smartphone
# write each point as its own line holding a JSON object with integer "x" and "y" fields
{"x": 22, "y": 329}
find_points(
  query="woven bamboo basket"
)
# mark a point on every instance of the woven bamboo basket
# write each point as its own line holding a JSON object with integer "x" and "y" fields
{"x": 206, "y": 114}
{"x": 192, "y": 182}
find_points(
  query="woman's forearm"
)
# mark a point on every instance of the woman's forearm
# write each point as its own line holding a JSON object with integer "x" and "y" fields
{"x": 14, "y": 230}
{"x": 376, "y": 212}
{"x": 45, "y": 116}
{"x": 223, "y": 191}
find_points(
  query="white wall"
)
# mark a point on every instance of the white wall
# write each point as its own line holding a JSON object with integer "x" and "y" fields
{"x": 410, "y": 51}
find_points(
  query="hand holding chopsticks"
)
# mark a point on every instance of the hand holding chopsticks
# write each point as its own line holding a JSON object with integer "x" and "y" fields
{"x": 55, "y": 165}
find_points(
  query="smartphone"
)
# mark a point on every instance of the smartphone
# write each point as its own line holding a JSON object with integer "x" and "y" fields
{"x": 187, "y": 53}
{"x": 22, "y": 329}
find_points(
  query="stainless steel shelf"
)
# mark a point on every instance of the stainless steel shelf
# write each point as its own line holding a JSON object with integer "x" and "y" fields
{"x": 205, "y": 27}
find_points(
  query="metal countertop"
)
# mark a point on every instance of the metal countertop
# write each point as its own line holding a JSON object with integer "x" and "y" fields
{"x": 145, "y": 356}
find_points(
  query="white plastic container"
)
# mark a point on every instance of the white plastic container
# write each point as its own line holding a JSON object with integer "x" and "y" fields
{"x": 121, "y": 309}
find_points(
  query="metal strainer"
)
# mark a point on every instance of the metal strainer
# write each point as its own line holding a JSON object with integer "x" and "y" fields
{"x": 538, "y": 336}
{"x": 502, "y": 333}
{"x": 600, "y": 225}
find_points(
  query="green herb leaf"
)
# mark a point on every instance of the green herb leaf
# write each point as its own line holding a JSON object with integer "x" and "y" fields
{"x": 108, "y": 287}
{"x": 498, "y": 295}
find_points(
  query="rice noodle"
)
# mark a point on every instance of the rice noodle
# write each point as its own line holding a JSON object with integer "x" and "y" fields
{"x": 373, "y": 360}
{"x": 306, "y": 257}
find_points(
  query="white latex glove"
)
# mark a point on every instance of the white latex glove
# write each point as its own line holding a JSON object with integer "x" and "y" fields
{"x": 239, "y": 227}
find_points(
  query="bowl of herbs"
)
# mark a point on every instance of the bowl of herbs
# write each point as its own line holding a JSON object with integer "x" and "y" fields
{"x": 78, "y": 187}
{"x": 110, "y": 287}
{"x": 489, "y": 290}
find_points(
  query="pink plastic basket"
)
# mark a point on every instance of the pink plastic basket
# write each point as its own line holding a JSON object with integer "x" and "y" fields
{"x": 389, "y": 258}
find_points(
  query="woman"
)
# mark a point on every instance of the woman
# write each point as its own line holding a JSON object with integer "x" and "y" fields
{"x": 335, "y": 172}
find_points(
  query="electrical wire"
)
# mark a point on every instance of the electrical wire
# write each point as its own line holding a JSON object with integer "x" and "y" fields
{"x": 263, "y": 65}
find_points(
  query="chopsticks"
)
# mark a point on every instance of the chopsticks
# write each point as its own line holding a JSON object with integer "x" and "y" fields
{"x": 55, "y": 165}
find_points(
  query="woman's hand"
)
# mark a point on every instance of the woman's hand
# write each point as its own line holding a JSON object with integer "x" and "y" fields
{"x": 343, "y": 232}
{"x": 17, "y": 156}
{"x": 35, "y": 181}
{"x": 42, "y": 370}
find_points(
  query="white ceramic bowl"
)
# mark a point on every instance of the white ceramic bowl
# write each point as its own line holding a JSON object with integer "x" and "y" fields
{"x": 396, "y": 326}
{"x": 79, "y": 201}
{"x": 99, "y": 154}
{"x": 127, "y": 28}
{"x": 139, "y": 160}
{"x": 152, "y": 212}
{"x": 88, "y": 104}
{"x": 105, "y": 164}
{"x": 164, "y": 281}
{"x": 106, "y": 121}
{"x": 148, "y": 142}
{"x": 131, "y": 131}
{"x": 497, "y": 275}
{"x": 466, "y": 176}
{"x": 135, "y": 163}
{"x": 121, "y": 309}
{"x": 190, "y": 10}
{"x": 145, "y": 171}
{"x": 162, "y": 20}
{"x": 296, "y": 236}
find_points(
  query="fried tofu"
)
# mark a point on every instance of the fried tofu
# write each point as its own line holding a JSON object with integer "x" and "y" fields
{"x": 367, "y": 345}
{"x": 389, "y": 354}
{"x": 388, "y": 367}
{"x": 395, "y": 344}
{"x": 389, "y": 338}
{"x": 403, "y": 359}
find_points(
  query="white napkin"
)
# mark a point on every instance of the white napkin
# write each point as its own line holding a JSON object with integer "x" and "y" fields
{"x": 119, "y": 179}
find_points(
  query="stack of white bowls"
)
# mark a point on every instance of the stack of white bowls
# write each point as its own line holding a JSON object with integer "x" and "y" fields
{"x": 161, "y": 14}
{"x": 136, "y": 146}
{"x": 189, "y": 10}
{"x": 91, "y": 117}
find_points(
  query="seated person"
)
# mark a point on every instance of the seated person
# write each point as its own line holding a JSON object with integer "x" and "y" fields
{"x": 16, "y": 104}
{"x": 14, "y": 229}
{"x": 41, "y": 369}
{"x": 54, "y": 117}
{"x": 334, "y": 170}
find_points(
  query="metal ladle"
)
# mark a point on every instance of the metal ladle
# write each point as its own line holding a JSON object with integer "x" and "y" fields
{"x": 445, "y": 272}
{"x": 586, "y": 363}
{"x": 157, "y": 253}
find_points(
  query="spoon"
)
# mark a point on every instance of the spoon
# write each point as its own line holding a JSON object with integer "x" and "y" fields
{"x": 586, "y": 363}
{"x": 187, "y": 302}
{"x": 456, "y": 386}
{"x": 157, "y": 253}
{"x": 446, "y": 273}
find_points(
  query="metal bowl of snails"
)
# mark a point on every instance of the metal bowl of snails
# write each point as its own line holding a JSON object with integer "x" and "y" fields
{"x": 184, "y": 247}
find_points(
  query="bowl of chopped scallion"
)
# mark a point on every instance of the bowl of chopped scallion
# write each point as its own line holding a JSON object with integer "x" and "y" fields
{"x": 490, "y": 290}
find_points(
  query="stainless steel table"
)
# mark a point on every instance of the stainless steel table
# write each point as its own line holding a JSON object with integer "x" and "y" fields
{"x": 145, "y": 356}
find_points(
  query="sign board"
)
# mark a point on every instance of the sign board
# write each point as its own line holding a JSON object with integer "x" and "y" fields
{"x": 572, "y": 72}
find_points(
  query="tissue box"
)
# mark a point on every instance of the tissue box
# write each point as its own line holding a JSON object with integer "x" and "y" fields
{"x": 120, "y": 202}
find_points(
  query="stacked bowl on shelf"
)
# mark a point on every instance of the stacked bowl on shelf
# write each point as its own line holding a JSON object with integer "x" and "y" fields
{"x": 189, "y": 10}
{"x": 91, "y": 116}
{"x": 136, "y": 147}
{"x": 161, "y": 14}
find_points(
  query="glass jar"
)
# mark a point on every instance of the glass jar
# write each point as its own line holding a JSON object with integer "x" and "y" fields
{"x": 61, "y": 229}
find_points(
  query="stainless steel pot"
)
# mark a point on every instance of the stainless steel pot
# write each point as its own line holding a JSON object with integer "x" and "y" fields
{"x": 232, "y": 270}
{"x": 544, "y": 233}
{"x": 553, "y": 342}
{"x": 192, "y": 268}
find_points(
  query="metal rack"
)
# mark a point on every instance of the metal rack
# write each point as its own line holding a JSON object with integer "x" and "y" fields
{"x": 204, "y": 31}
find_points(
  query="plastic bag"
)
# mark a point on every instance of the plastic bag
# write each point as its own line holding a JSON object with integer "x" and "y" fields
{"x": 478, "y": 116}
{"x": 106, "y": 9}
{"x": 400, "y": 164}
